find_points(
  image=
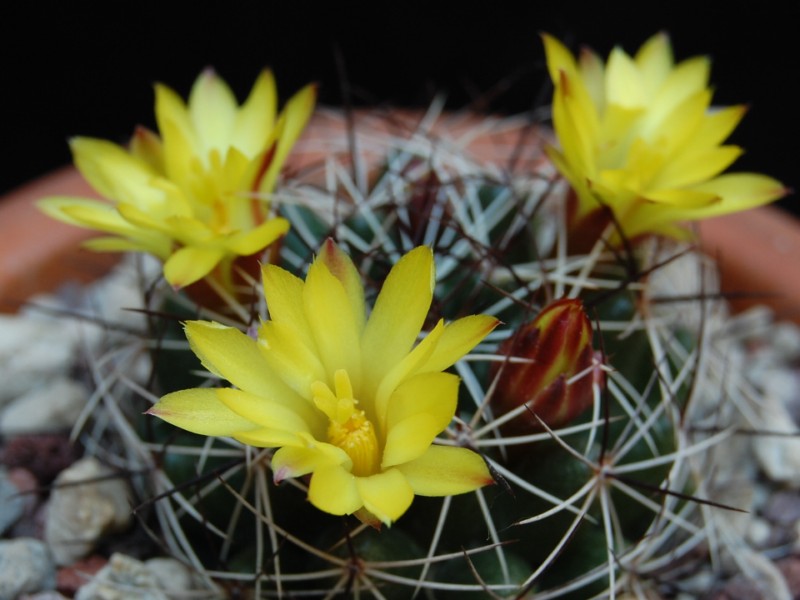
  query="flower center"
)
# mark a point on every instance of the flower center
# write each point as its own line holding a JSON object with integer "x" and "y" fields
{"x": 349, "y": 427}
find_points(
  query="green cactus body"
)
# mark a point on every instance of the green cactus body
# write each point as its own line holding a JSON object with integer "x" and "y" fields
{"x": 561, "y": 514}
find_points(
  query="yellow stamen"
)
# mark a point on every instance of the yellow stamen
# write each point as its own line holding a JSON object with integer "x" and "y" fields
{"x": 349, "y": 428}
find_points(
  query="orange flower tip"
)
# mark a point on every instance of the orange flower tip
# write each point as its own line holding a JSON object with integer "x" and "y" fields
{"x": 329, "y": 248}
{"x": 484, "y": 481}
{"x": 269, "y": 155}
{"x": 141, "y": 132}
{"x": 490, "y": 326}
{"x": 586, "y": 53}
{"x": 334, "y": 258}
{"x": 563, "y": 81}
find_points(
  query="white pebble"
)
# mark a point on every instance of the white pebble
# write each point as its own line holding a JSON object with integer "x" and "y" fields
{"x": 52, "y": 407}
{"x": 778, "y": 456}
{"x": 25, "y": 566}
{"x": 79, "y": 514}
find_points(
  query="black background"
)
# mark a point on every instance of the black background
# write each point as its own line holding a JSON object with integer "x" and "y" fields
{"x": 77, "y": 68}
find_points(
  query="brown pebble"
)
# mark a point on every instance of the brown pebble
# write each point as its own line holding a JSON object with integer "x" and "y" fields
{"x": 790, "y": 569}
{"x": 44, "y": 455}
{"x": 70, "y": 579}
{"x": 23, "y": 480}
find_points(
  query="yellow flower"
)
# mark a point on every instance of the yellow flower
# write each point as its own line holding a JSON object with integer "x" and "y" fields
{"x": 639, "y": 135}
{"x": 350, "y": 400}
{"x": 198, "y": 196}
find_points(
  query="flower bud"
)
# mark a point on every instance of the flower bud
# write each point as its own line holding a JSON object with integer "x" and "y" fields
{"x": 543, "y": 356}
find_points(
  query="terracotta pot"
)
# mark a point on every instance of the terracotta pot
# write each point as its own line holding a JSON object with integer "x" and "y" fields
{"x": 756, "y": 250}
{"x": 37, "y": 253}
{"x": 758, "y": 254}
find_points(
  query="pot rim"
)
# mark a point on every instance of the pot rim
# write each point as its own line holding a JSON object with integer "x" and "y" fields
{"x": 755, "y": 250}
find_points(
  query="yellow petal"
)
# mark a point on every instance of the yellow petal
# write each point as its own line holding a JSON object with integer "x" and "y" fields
{"x": 686, "y": 79}
{"x": 265, "y": 412}
{"x": 578, "y": 181}
{"x": 341, "y": 266}
{"x": 576, "y": 123}
{"x": 212, "y": 110}
{"x": 419, "y": 410}
{"x": 266, "y": 437}
{"x": 114, "y": 172}
{"x": 411, "y": 437}
{"x": 231, "y": 355}
{"x": 231, "y": 177}
{"x": 171, "y": 107}
{"x": 401, "y": 371}
{"x": 730, "y": 193}
{"x": 177, "y": 133}
{"x": 399, "y": 313}
{"x": 144, "y": 219}
{"x": 458, "y": 338}
{"x": 285, "y": 353}
{"x": 191, "y": 231}
{"x": 624, "y": 84}
{"x": 308, "y": 456}
{"x": 654, "y": 62}
{"x": 284, "y": 295}
{"x": 190, "y": 264}
{"x": 619, "y": 128}
{"x": 246, "y": 243}
{"x": 103, "y": 217}
{"x": 330, "y": 317}
{"x": 87, "y": 213}
{"x": 717, "y": 125}
{"x": 386, "y": 495}
{"x": 333, "y": 490}
{"x": 297, "y": 112}
{"x": 739, "y": 191}
{"x": 445, "y": 471}
{"x": 685, "y": 197}
{"x": 688, "y": 168}
{"x": 558, "y": 58}
{"x": 256, "y": 117}
{"x": 200, "y": 411}
{"x": 291, "y": 123}
{"x": 593, "y": 71}
{"x": 677, "y": 128}
{"x": 146, "y": 146}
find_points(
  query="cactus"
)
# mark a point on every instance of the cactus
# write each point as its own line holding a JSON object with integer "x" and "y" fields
{"x": 576, "y": 509}
{"x": 610, "y": 494}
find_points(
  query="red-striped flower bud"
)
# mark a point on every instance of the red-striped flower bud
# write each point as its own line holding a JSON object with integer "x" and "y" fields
{"x": 544, "y": 358}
